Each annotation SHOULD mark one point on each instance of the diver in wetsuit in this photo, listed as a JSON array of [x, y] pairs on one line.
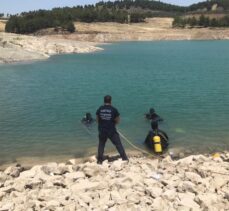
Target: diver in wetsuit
[[153, 116], [87, 120], [155, 131]]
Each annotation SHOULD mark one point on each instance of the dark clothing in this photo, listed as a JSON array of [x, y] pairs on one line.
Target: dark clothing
[[164, 139], [153, 117], [106, 125], [115, 139], [106, 116], [86, 121]]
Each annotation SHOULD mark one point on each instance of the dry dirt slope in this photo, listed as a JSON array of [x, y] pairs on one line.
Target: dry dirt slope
[[151, 29], [2, 25]]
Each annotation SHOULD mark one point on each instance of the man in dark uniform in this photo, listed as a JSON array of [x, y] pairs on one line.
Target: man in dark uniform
[[107, 117]]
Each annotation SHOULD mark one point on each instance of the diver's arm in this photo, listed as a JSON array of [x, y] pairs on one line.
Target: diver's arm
[[97, 118]]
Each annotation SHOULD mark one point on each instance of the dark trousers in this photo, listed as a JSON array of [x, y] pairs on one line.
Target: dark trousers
[[115, 139]]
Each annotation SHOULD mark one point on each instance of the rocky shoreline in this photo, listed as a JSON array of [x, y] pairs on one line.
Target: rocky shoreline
[[18, 48], [197, 182]]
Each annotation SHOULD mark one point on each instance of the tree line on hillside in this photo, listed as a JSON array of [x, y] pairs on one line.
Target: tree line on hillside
[[202, 21], [143, 4], [126, 11], [117, 11], [33, 21]]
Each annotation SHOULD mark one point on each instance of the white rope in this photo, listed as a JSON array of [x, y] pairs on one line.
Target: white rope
[[134, 146]]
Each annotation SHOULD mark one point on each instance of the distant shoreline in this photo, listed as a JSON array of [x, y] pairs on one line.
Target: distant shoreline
[[22, 48]]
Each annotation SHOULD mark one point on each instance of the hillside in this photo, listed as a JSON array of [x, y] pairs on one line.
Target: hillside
[[126, 11]]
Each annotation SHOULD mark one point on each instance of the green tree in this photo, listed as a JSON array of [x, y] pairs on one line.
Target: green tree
[[70, 27]]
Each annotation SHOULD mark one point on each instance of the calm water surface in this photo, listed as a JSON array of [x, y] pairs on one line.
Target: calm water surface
[[187, 82]]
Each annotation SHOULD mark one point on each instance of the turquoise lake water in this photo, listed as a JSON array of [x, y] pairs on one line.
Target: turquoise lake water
[[187, 82]]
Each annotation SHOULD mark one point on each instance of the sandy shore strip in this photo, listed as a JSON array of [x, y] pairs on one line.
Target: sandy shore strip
[[196, 182], [17, 48]]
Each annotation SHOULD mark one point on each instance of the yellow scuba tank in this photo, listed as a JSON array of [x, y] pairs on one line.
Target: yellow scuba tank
[[157, 144]]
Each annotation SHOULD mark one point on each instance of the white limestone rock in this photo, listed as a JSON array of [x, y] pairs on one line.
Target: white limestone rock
[[193, 177], [206, 200], [73, 176], [7, 207], [117, 197], [187, 186], [189, 202], [118, 165], [4, 177], [169, 195], [154, 191]]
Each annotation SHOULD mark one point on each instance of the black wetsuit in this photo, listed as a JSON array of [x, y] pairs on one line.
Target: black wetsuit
[[164, 139], [87, 121], [106, 125], [156, 132]]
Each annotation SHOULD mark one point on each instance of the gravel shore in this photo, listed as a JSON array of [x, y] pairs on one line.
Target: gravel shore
[[197, 182]]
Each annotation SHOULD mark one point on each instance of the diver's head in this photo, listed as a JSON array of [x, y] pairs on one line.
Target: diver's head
[[107, 99], [151, 111]]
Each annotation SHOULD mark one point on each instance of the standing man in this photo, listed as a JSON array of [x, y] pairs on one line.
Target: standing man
[[107, 117]]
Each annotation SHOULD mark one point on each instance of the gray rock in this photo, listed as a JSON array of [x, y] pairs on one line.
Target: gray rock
[[13, 171]]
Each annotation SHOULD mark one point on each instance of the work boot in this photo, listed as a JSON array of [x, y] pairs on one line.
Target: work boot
[[99, 162]]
